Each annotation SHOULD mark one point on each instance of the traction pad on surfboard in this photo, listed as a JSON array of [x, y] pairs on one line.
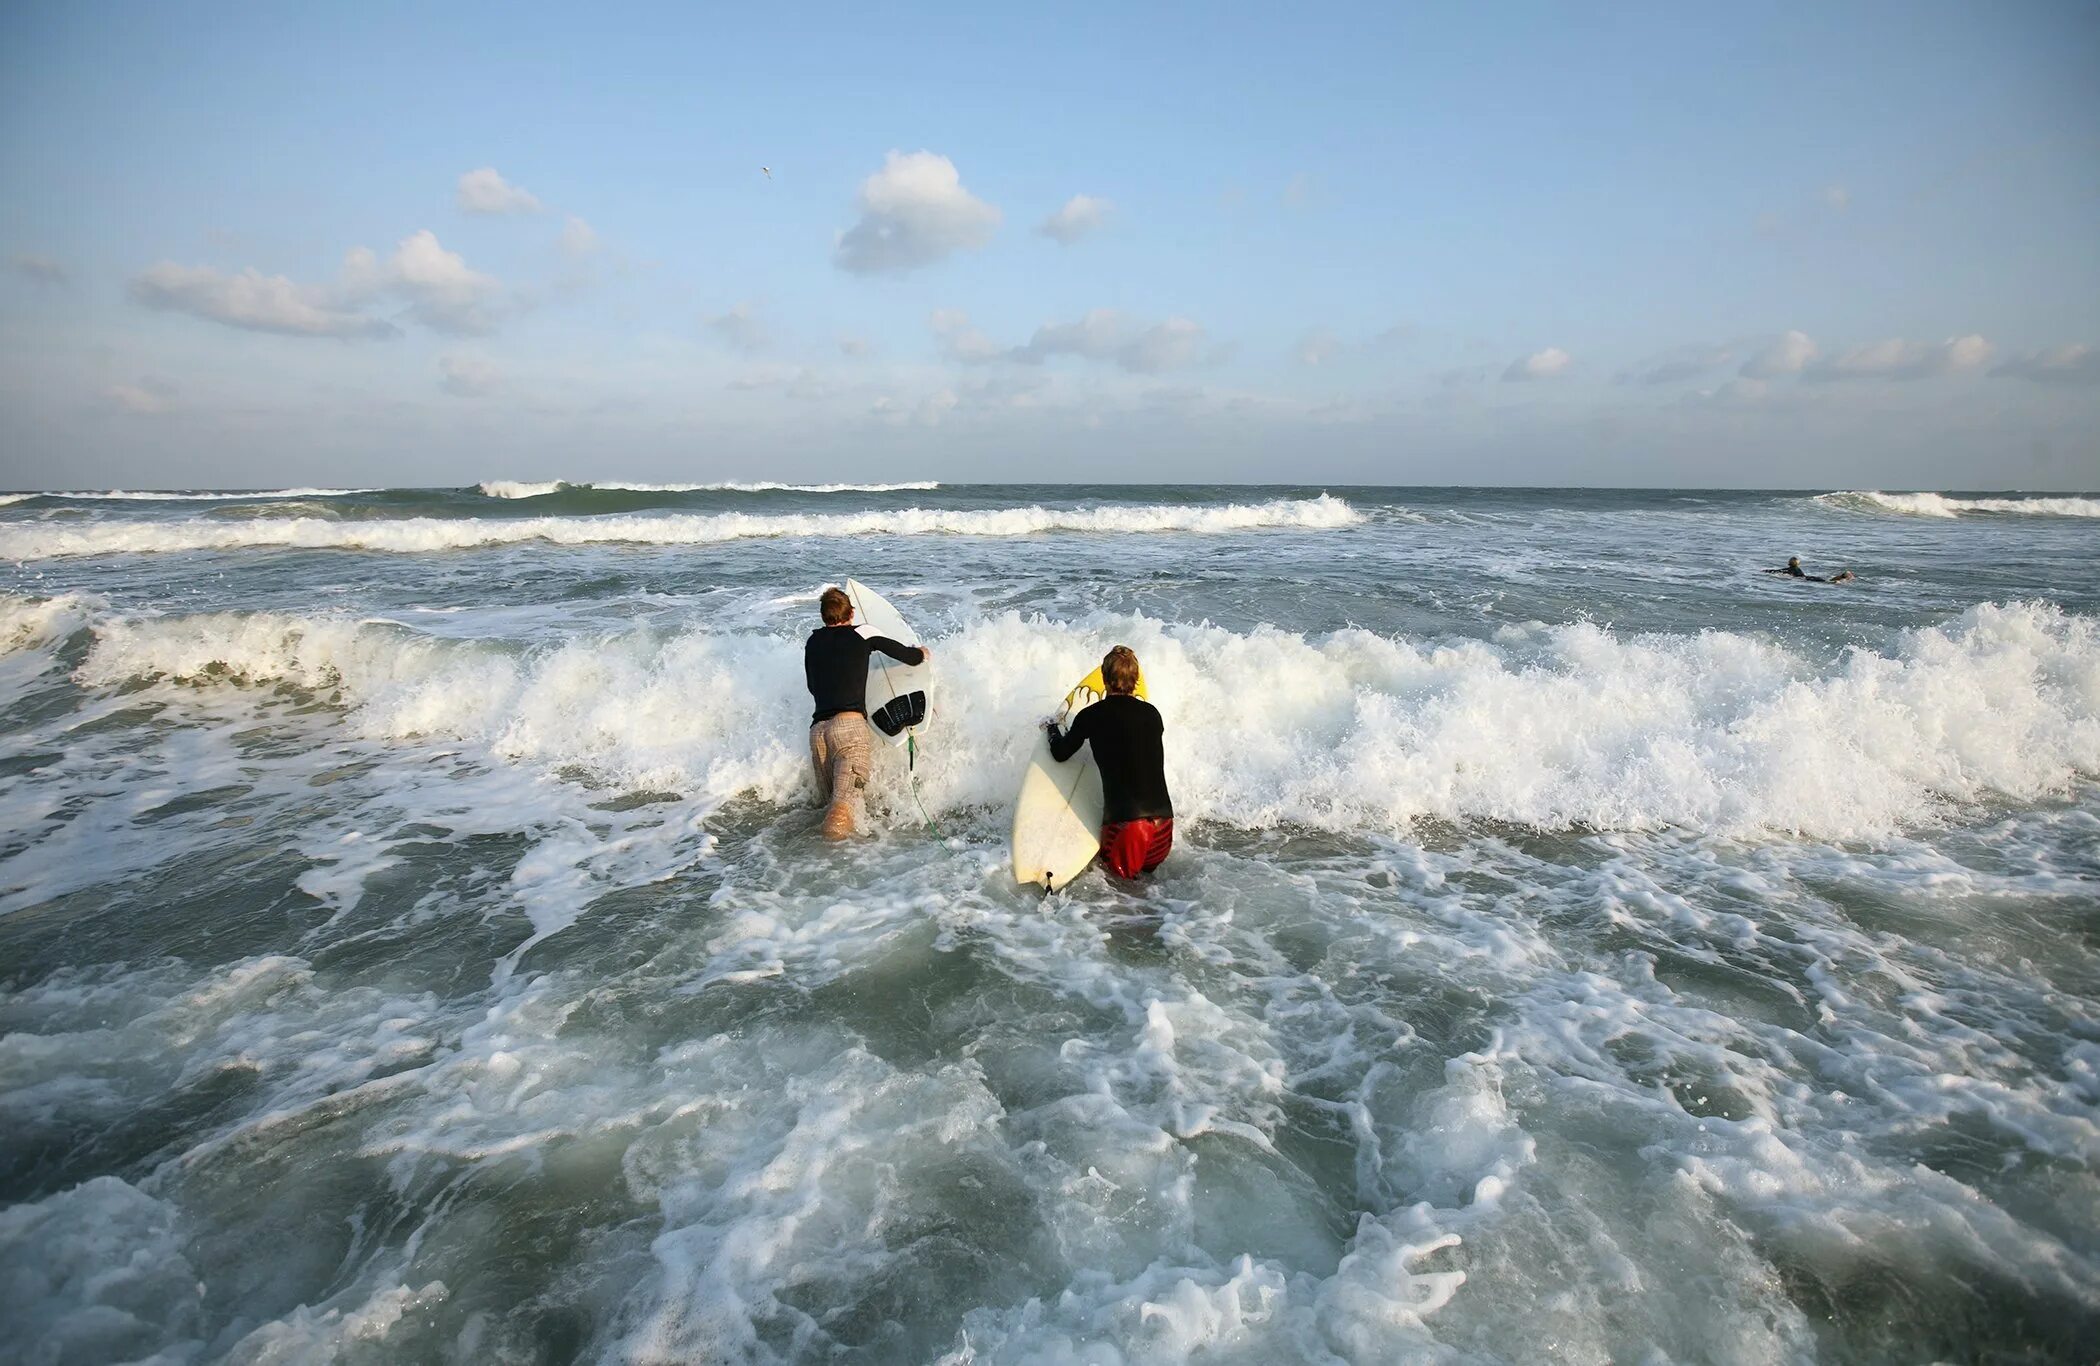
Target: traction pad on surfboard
[[900, 713]]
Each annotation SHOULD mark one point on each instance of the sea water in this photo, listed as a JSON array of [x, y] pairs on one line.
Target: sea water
[[416, 943]]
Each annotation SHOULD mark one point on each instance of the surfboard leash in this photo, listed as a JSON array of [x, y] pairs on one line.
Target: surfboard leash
[[911, 765]]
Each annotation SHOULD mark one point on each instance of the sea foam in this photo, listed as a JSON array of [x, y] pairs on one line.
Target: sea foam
[[516, 488], [1555, 727], [420, 534], [1942, 505]]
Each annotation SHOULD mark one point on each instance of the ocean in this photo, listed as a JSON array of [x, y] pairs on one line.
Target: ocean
[[416, 944]]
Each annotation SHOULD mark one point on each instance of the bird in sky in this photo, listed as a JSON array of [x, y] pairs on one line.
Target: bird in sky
[[768, 170]]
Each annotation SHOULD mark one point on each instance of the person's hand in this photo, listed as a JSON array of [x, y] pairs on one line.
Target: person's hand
[[926, 653]]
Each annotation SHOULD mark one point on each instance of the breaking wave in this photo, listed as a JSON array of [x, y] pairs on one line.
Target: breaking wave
[[510, 488], [418, 534], [1940, 505], [1352, 732], [191, 496]]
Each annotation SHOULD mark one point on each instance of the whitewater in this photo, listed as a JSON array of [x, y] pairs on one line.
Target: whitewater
[[416, 944]]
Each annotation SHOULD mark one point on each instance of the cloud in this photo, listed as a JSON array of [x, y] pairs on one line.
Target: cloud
[[913, 212], [252, 301], [850, 345], [1736, 393], [2075, 363], [468, 376], [1103, 334], [442, 291], [1897, 359], [146, 398], [578, 238], [1317, 347], [740, 329], [484, 191], [934, 407], [960, 342], [1081, 215], [1171, 345], [1790, 354], [1547, 364], [45, 270], [1837, 197], [1677, 366]]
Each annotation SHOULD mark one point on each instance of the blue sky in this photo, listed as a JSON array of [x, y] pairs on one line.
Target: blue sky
[[1536, 244]]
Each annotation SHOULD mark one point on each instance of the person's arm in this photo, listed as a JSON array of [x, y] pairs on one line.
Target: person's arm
[[1064, 744], [903, 654]]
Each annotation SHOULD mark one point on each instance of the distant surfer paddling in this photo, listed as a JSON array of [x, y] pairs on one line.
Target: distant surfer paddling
[[1794, 570], [1128, 739], [835, 664]]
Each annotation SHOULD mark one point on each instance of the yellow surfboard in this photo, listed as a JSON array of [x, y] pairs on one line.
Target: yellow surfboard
[[1057, 817]]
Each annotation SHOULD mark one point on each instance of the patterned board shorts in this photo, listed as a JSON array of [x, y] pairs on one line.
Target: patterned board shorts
[[838, 750]]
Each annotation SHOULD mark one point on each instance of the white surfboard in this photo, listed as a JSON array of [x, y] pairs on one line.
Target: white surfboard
[[899, 695], [1057, 818]]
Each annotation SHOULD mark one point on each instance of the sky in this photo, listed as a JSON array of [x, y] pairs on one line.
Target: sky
[[1781, 246]]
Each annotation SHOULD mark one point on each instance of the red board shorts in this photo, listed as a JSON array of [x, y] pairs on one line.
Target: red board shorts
[[1133, 847]]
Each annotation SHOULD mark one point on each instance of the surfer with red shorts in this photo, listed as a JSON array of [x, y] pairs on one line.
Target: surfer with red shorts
[[1137, 817]]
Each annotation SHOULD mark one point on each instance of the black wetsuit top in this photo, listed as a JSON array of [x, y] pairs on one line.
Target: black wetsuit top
[[1795, 571], [1127, 736], [835, 661]]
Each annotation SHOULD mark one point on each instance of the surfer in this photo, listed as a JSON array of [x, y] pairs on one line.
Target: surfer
[[1137, 816], [835, 665], [1794, 570]]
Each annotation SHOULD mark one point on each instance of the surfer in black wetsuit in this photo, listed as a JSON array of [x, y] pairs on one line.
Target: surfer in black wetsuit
[[1794, 570], [835, 665], [1137, 816]]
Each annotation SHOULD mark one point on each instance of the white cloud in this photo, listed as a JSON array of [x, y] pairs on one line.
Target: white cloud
[[146, 398], [442, 291], [934, 407], [484, 191], [1081, 214], [469, 376], [1104, 334], [253, 301], [578, 238], [913, 212], [1790, 354], [960, 342], [45, 270], [1546, 364], [1897, 359], [1171, 345], [740, 329], [1317, 347], [2075, 363]]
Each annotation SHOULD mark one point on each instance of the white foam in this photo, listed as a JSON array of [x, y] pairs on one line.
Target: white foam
[[194, 496], [1941, 505], [513, 488], [28, 623], [417, 534], [97, 1273], [1351, 732]]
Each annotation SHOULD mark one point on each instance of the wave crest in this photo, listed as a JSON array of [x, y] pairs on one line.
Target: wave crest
[[1940, 505], [1353, 732], [509, 488], [421, 534]]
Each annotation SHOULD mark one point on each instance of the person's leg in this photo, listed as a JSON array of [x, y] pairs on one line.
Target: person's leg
[[848, 741], [820, 760]]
